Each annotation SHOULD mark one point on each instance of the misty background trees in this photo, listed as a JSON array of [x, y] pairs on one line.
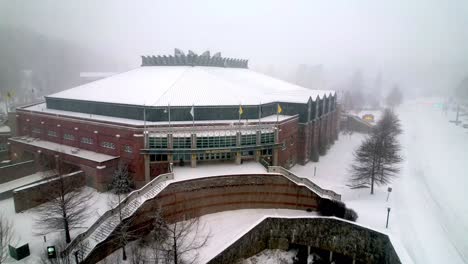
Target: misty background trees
[[33, 64]]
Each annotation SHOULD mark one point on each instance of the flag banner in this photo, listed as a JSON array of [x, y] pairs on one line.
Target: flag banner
[[279, 109], [241, 111], [192, 112]]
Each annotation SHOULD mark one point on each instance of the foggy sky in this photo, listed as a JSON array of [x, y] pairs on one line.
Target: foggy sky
[[406, 40]]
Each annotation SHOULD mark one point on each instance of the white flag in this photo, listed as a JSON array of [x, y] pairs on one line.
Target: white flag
[[192, 112]]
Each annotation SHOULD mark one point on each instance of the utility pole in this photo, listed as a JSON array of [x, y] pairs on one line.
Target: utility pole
[[388, 215]]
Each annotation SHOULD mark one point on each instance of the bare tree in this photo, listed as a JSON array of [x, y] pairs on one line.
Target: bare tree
[[178, 241], [6, 237], [375, 161], [65, 205]]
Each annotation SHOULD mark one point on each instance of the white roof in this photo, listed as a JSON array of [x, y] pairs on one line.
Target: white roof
[[187, 85], [4, 129], [69, 150]]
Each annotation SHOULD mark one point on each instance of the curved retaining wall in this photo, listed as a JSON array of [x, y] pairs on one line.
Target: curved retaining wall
[[354, 241], [197, 197]]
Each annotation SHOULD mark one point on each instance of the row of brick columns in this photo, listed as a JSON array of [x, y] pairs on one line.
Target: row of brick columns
[[193, 158]]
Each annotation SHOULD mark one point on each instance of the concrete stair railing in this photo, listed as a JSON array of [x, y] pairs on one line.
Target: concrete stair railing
[[106, 224], [324, 193]]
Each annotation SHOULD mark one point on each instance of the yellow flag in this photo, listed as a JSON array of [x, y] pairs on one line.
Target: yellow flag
[[241, 111], [279, 109]]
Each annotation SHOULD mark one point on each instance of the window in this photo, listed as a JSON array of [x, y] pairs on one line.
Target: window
[[158, 157], [158, 142], [36, 130], [51, 133], [108, 145], [128, 149], [3, 147], [178, 156], [182, 143], [214, 156], [216, 142], [68, 137], [267, 138], [86, 140], [247, 140], [267, 152]]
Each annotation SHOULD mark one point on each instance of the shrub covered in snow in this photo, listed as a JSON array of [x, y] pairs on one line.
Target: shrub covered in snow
[[336, 208], [329, 207], [351, 215]]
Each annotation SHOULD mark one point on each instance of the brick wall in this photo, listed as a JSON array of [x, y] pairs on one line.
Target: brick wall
[[120, 136], [288, 136]]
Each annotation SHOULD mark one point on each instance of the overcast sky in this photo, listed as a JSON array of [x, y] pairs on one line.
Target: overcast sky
[[402, 38]]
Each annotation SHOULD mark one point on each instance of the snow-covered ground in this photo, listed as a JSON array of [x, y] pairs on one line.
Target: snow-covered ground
[[273, 256], [215, 169], [25, 231], [429, 214]]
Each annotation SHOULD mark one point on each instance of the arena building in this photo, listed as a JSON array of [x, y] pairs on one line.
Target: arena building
[[177, 110]]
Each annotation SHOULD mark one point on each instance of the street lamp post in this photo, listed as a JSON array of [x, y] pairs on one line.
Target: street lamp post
[[388, 215], [389, 191]]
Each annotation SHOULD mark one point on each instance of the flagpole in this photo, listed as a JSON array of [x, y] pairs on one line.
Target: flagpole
[[277, 113], [169, 113], [193, 116], [144, 118]]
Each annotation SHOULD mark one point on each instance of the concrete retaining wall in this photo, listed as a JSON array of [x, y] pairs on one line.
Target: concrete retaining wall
[[354, 241], [32, 195], [197, 197], [16, 171]]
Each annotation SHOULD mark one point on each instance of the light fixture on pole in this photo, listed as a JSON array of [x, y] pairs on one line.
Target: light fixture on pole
[[388, 215], [389, 190]]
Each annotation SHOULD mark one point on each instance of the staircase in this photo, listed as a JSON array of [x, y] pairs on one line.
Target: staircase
[[106, 224]]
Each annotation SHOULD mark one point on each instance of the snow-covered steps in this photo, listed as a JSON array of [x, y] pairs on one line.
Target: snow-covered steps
[[107, 223], [324, 193]]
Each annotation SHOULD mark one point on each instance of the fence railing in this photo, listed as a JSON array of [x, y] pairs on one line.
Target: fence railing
[[132, 196], [306, 182]]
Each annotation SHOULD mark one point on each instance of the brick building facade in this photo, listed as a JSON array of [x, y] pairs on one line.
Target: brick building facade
[[96, 125]]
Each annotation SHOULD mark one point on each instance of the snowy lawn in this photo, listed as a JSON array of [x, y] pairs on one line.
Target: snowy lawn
[[273, 256], [215, 169], [24, 226], [222, 229]]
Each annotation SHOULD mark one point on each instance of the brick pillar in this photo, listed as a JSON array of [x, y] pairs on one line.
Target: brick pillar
[[146, 159], [193, 157], [238, 153], [275, 150], [170, 145], [258, 142]]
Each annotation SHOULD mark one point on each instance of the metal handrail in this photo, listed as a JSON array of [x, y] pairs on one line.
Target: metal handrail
[[132, 196], [308, 183]]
